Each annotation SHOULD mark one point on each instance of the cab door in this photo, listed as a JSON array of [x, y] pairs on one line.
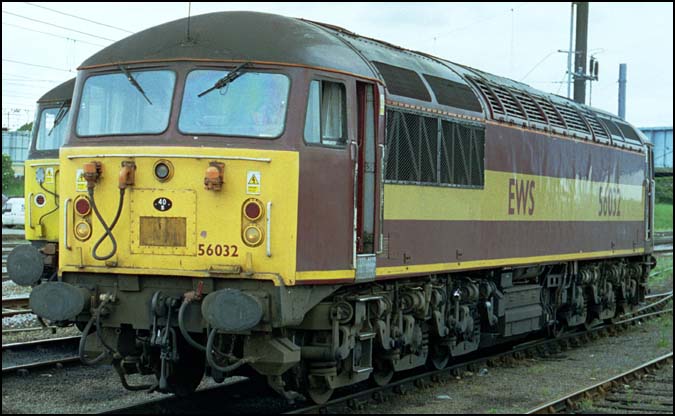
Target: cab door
[[326, 215]]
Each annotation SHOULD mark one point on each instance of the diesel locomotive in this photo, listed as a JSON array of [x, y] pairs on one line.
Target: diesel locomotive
[[246, 193], [27, 263]]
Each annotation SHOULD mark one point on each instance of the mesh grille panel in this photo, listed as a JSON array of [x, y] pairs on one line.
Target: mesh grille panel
[[418, 153], [411, 147], [462, 154]]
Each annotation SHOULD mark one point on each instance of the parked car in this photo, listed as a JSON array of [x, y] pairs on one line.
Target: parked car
[[13, 212]]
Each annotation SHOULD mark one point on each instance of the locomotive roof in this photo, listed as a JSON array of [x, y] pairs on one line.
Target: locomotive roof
[[236, 36], [62, 92], [412, 77]]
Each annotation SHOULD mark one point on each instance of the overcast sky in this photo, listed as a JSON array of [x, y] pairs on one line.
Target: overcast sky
[[515, 40]]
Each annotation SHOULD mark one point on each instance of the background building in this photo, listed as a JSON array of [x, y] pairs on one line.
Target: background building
[[662, 138], [15, 144]]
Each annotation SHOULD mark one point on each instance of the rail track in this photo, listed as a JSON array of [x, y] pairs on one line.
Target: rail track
[[15, 305], [356, 397], [7, 246], [62, 351], [647, 388]]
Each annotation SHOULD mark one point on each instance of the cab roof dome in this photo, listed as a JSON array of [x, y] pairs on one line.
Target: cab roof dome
[[62, 92], [236, 36]]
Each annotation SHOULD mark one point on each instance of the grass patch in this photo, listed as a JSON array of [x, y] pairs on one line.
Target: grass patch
[[666, 330], [663, 270], [663, 217]]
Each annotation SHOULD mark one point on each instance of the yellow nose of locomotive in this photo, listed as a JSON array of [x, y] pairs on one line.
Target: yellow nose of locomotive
[[177, 217]]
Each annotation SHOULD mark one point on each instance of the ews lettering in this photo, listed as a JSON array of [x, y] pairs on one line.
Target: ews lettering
[[521, 197]]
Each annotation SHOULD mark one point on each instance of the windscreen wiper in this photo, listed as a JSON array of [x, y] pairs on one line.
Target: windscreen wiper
[[60, 115], [234, 74], [135, 83]]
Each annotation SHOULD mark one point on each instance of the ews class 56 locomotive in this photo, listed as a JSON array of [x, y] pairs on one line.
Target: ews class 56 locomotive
[[272, 196]]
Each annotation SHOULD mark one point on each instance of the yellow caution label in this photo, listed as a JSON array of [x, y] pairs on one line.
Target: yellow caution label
[[80, 182], [253, 182], [49, 175]]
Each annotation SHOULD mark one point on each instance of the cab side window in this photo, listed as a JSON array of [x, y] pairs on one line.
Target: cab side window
[[326, 119]]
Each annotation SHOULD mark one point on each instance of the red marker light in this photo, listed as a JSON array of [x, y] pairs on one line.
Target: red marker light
[[40, 200], [82, 206], [252, 210]]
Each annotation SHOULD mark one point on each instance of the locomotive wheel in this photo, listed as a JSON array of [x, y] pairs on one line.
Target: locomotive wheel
[[382, 372], [557, 330], [188, 372], [439, 357], [319, 394]]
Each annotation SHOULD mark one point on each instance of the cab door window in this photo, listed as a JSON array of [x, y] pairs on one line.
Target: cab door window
[[326, 119]]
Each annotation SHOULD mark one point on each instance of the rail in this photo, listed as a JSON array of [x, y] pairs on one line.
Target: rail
[[571, 401]]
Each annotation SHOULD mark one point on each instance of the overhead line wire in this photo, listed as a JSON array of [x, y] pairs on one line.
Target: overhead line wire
[[78, 17], [53, 34], [60, 27], [39, 66]]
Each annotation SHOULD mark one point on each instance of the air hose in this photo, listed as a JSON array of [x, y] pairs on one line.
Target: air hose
[[96, 318], [212, 361], [108, 230], [183, 329]]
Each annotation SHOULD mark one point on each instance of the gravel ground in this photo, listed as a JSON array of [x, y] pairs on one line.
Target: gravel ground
[[536, 381], [78, 389], [26, 355], [501, 390], [10, 288]]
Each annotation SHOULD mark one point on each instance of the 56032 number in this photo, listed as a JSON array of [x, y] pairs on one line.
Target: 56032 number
[[218, 250]]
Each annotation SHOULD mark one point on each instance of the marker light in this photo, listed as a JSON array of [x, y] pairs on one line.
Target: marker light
[[252, 235], [40, 200], [82, 205], [82, 230], [253, 209]]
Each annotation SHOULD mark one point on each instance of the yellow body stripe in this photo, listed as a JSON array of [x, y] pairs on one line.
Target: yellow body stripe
[[516, 197]]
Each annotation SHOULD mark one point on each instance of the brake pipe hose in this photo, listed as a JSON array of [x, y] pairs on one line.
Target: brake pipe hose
[[108, 230], [183, 329], [212, 361]]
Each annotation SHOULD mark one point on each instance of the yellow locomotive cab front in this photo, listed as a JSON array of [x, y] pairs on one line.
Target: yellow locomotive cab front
[[181, 226]]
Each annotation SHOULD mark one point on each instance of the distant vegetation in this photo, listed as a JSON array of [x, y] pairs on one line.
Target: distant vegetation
[[26, 127], [664, 190], [663, 217], [11, 186]]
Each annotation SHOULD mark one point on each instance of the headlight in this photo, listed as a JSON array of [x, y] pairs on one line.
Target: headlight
[[82, 230], [252, 235]]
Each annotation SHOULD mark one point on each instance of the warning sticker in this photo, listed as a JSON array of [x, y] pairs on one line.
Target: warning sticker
[[253, 183], [381, 104], [80, 182], [49, 175]]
